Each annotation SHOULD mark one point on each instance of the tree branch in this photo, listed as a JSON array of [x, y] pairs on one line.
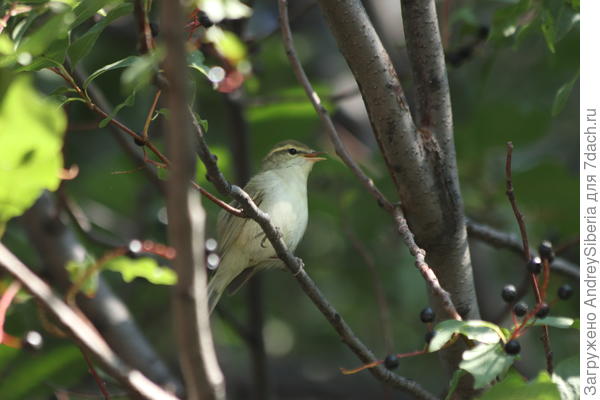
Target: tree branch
[[132, 379], [296, 267], [57, 245], [201, 371], [497, 238]]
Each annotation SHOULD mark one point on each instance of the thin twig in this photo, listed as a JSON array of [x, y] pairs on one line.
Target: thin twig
[[150, 114], [526, 253], [134, 380], [146, 42], [101, 384], [322, 111], [511, 242], [5, 302], [426, 271]]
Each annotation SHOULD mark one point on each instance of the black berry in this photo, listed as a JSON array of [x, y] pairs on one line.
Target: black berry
[[427, 315], [512, 347], [33, 341], [204, 20], [565, 291], [546, 251], [509, 293], [391, 361], [428, 336], [535, 265], [543, 311], [520, 309]]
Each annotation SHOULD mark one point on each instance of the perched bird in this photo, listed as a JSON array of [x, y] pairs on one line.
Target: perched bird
[[279, 189]]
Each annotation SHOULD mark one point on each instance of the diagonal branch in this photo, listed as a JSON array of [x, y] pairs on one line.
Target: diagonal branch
[[132, 379], [296, 267]]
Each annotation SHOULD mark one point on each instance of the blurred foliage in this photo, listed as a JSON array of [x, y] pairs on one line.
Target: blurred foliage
[[518, 83]]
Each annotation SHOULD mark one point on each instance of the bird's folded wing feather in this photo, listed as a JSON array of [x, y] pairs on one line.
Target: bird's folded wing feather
[[229, 226]]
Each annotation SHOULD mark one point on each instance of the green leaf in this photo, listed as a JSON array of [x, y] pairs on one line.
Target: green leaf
[[145, 267], [562, 95], [507, 20], [30, 376], [486, 362], [548, 30], [55, 28], [54, 56], [125, 62], [30, 147], [87, 9], [481, 331], [84, 44], [141, 71], [456, 376], [566, 378], [195, 60], [129, 101], [161, 111], [77, 270], [555, 322], [514, 387]]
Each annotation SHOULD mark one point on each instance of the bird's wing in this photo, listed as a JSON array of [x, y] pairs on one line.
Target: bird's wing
[[229, 226]]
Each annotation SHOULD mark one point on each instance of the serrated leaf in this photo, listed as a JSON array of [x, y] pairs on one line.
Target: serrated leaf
[[514, 387], [123, 63], [83, 45], [144, 267], [30, 147], [562, 95], [566, 378], [486, 362], [129, 101], [555, 322]]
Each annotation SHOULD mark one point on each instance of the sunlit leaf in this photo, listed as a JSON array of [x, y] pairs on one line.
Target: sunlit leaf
[[486, 362], [481, 331], [218, 10], [555, 322], [566, 378], [30, 147], [144, 267], [514, 387]]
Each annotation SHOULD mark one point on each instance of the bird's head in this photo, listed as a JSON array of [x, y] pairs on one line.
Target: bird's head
[[289, 154]]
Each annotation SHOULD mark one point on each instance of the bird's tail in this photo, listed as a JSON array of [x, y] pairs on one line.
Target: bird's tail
[[218, 283]]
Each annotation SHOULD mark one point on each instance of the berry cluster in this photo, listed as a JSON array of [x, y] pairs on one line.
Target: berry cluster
[[520, 309]]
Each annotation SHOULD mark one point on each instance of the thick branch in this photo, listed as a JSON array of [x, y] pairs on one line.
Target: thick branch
[[201, 371], [132, 379]]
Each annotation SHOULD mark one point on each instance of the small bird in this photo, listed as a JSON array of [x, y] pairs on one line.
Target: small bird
[[279, 189]]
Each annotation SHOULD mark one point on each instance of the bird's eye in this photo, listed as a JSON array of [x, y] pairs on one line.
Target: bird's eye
[[292, 151]]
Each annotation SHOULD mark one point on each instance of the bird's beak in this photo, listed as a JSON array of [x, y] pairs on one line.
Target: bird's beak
[[314, 156]]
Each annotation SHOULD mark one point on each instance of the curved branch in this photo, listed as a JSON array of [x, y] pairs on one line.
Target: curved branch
[[132, 379]]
